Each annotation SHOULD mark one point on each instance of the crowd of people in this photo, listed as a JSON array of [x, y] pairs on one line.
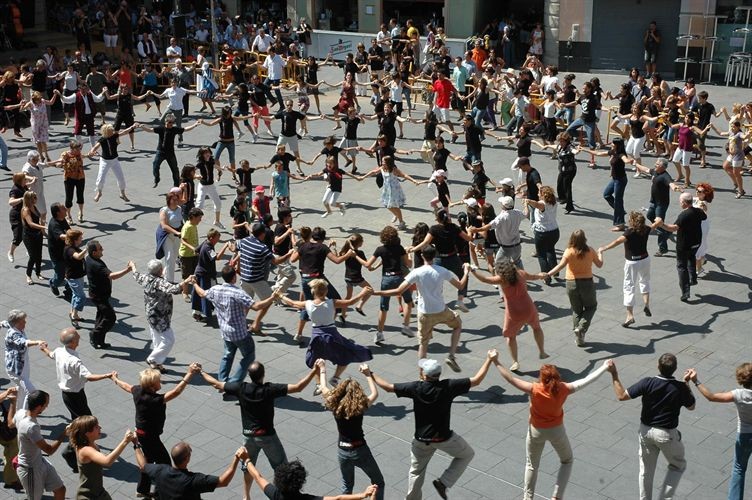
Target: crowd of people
[[254, 269]]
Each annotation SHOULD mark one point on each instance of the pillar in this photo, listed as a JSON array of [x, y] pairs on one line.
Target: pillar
[[460, 17], [370, 15], [551, 9]]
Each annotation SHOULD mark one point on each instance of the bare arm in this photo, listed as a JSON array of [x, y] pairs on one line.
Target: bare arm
[[302, 383], [520, 384]]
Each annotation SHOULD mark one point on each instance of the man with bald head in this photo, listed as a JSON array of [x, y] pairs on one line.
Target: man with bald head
[[688, 231], [72, 375], [176, 482]]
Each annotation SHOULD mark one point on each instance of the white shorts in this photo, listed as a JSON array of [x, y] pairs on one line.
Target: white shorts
[[349, 143], [442, 114], [734, 163], [330, 197], [43, 478], [292, 142], [110, 40], [683, 157]]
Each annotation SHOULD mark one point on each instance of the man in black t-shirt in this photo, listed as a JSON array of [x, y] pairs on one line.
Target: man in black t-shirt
[[588, 104], [705, 113], [663, 397], [177, 482], [660, 198], [166, 147], [688, 227], [533, 181], [432, 403], [376, 59], [257, 412], [100, 280], [289, 133]]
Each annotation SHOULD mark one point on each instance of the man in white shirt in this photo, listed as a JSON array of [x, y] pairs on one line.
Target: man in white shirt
[[173, 51], [432, 309], [202, 34], [84, 110], [72, 375], [262, 42], [147, 49], [506, 226], [275, 67]]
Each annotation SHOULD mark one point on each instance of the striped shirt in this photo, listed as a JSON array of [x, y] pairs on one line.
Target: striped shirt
[[255, 259], [230, 303]]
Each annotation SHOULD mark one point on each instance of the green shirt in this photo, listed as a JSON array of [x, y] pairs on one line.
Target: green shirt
[[189, 233]]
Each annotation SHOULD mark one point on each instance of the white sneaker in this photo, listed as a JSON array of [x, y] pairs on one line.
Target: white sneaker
[[240, 135], [462, 307], [637, 174], [394, 219], [219, 225], [407, 331], [10, 257], [255, 138], [378, 337], [298, 338], [325, 215], [342, 209], [271, 134]]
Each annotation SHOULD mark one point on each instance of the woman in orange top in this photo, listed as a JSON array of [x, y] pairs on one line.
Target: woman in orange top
[[74, 178], [547, 397], [579, 259]]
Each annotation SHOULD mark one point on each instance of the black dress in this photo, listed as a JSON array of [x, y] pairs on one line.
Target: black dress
[[32, 240]]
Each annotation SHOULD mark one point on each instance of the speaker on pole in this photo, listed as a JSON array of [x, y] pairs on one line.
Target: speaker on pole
[[179, 27]]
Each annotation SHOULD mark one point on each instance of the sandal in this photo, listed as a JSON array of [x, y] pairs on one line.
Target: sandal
[[360, 311], [740, 194]]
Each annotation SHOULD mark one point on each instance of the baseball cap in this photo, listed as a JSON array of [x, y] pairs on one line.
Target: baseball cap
[[471, 202], [260, 189], [506, 181], [438, 173], [430, 367], [507, 202]]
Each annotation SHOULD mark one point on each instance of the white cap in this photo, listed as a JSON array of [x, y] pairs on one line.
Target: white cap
[[507, 202], [439, 172], [507, 181], [471, 202], [430, 367]]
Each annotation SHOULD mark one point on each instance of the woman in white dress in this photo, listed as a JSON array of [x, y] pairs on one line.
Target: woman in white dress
[[392, 196]]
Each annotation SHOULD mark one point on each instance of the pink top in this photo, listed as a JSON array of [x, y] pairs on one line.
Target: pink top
[[686, 138]]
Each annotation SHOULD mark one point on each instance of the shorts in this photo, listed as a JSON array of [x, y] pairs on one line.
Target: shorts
[[442, 114], [426, 322], [188, 266], [397, 107], [491, 251], [683, 157], [349, 143], [260, 288], [734, 163], [390, 282], [110, 40], [355, 281], [292, 142], [40, 479], [650, 57], [330, 197]]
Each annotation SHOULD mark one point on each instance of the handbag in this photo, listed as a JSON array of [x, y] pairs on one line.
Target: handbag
[[380, 180]]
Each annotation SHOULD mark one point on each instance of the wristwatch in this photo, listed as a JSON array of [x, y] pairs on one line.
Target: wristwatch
[[697, 382]]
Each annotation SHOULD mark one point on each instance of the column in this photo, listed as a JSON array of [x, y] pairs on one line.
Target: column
[[370, 15], [551, 29]]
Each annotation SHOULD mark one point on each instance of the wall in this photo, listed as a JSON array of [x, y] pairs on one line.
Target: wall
[[574, 55], [551, 23], [370, 23], [460, 17]]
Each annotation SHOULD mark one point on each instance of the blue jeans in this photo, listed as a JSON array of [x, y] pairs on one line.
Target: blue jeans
[[277, 92], [78, 299], [3, 153], [567, 113], [742, 452], [589, 130], [514, 124], [229, 146], [390, 283], [362, 458], [614, 195], [58, 273], [247, 350], [272, 447], [659, 211]]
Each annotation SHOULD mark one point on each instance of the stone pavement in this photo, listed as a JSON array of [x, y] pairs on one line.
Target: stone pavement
[[709, 333]]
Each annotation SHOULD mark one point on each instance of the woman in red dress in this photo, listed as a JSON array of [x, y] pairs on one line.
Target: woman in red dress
[[520, 309]]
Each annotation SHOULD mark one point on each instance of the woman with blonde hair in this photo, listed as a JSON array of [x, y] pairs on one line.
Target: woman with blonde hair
[[109, 159], [40, 123], [637, 264], [547, 397], [579, 258], [326, 341], [348, 403], [151, 414], [83, 433], [32, 235]]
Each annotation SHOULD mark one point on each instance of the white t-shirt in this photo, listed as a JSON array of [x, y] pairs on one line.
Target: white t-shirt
[[275, 66], [430, 281], [743, 400], [321, 314], [71, 372], [29, 433], [549, 83], [549, 109], [262, 43], [174, 51], [175, 96]]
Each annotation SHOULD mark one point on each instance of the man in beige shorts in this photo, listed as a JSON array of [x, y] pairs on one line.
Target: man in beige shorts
[[432, 309]]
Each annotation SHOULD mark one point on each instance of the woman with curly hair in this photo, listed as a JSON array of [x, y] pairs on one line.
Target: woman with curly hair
[[637, 265], [348, 402], [395, 264], [742, 397], [83, 433], [547, 397], [520, 309], [705, 195], [579, 258], [74, 178]]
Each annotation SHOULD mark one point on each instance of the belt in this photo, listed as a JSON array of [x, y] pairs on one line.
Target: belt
[[510, 246], [392, 273], [312, 275], [351, 444], [634, 258], [257, 432]]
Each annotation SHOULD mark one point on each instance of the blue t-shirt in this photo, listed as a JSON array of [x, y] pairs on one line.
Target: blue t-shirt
[[281, 184], [662, 400]]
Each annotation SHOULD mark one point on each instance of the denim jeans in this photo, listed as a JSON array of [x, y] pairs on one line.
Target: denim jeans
[[567, 113], [545, 247], [78, 299], [272, 447], [221, 146], [742, 452], [274, 83], [659, 211], [362, 458], [390, 283], [247, 350], [454, 264], [614, 195], [3, 153], [58, 273], [515, 123], [589, 130]]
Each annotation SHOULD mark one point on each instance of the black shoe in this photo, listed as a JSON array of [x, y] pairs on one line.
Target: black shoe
[[647, 311], [693, 282], [100, 346], [156, 183], [4, 167], [55, 291], [17, 486], [440, 488], [684, 297]]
